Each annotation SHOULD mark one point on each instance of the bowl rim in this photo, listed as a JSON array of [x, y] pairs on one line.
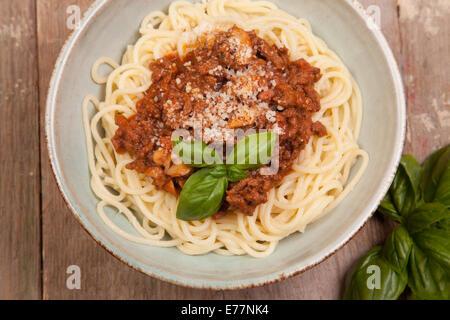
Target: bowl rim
[[294, 270]]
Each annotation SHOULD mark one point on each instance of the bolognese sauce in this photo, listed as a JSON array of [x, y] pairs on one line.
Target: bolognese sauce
[[228, 80]]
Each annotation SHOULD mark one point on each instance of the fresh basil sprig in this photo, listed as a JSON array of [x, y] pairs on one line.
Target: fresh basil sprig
[[417, 253], [203, 193]]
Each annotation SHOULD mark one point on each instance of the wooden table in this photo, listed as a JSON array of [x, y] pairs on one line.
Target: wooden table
[[39, 238]]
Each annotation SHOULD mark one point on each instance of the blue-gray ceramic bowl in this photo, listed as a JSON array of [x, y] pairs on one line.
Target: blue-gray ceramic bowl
[[110, 25]]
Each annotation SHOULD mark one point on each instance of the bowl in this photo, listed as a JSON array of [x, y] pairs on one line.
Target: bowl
[[109, 26]]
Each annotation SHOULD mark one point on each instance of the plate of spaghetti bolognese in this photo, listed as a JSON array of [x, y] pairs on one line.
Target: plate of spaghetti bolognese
[[221, 143]]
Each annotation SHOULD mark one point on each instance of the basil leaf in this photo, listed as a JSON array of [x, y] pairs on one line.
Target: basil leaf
[[402, 193], [235, 174], [253, 151], [201, 196], [443, 189], [444, 224], [426, 277], [425, 216], [387, 207], [196, 153], [405, 188], [219, 171], [435, 243], [397, 248], [373, 278], [433, 168], [414, 172]]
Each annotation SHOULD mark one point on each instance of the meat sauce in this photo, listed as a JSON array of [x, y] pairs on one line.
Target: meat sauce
[[227, 80]]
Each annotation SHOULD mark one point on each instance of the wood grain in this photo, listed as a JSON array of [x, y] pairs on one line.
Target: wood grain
[[418, 34], [20, 259], [425, 47]]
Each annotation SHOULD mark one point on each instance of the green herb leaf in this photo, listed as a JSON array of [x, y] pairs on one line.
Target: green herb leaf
[[419, 251], [397, 248], [373, 278], [426, 277], [404, 190], [435, 243], [235, 174], [402, 193], [196, 153], [219, 171], [433, 169], [414, 172], [253, 151], [443, 188], [444, 224], [201, 196], [387, 207], [425, 216]]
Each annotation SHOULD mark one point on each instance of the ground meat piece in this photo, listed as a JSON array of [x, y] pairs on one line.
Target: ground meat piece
[[271, 52], [247, 194], [319, 129]]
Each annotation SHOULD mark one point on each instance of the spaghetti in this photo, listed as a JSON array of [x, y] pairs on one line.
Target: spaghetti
[[320, 178]]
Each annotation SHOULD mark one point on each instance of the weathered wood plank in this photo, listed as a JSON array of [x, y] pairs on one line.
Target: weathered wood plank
[[425, 34], [20, 263]]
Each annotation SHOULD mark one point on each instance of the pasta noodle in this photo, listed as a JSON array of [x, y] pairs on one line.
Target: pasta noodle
[[322, 175]]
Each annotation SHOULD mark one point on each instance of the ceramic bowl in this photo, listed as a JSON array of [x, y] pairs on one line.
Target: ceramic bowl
[[109, 26]]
